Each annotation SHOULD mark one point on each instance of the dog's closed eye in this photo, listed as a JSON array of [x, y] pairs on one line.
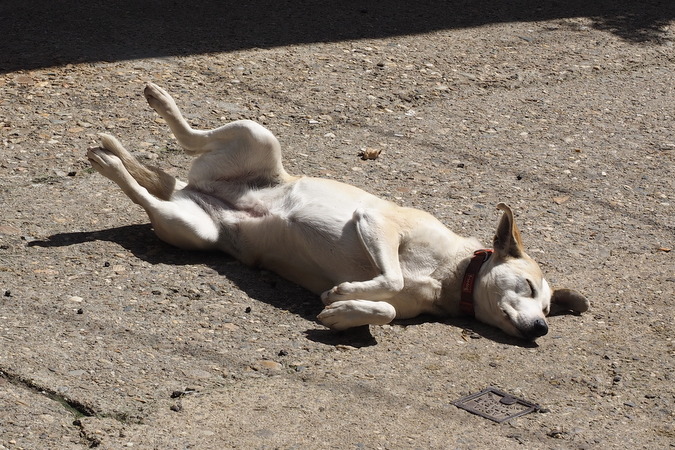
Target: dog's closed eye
[[533, 291], [525, 287]]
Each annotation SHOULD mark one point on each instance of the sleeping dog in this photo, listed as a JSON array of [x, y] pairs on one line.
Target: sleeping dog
[[370, 260]]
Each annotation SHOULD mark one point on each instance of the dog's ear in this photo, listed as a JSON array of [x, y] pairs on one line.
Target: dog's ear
[[564, 300], [507, 241]]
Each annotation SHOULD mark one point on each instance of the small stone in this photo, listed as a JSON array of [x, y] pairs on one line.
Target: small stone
[[176, 407], [556, 434], [229, 326], [178, 394], [75, 299], [345, 347], [271, 365]]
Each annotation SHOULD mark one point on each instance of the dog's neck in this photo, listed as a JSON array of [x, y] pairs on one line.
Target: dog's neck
[[469, 280], [453, 278]]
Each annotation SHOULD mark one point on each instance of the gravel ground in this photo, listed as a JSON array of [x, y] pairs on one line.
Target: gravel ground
[[110, 338]]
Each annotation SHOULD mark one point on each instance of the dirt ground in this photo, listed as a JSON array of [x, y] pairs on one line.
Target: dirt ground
[[111, 339]]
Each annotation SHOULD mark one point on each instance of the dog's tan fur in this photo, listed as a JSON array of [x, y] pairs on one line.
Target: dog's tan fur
[[370, 260]]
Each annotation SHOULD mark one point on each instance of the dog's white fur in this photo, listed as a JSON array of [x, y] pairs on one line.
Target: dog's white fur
[[370, 260]]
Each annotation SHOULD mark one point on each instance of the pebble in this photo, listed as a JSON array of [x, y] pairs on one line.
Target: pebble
[[271, 365], [176, 407]]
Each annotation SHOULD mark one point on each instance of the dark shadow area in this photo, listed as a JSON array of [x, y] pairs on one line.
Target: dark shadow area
[[45, 33], [259, 285], [357, 337], [142, 242], [472, 329], [262, 285]]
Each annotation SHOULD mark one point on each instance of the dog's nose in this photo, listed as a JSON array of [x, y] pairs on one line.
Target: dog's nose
[[539, 328]]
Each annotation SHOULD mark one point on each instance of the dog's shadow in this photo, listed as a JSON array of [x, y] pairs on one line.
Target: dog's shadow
[[257, 284]]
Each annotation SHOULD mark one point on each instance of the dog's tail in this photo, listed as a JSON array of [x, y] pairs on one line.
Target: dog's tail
[[155, 180]]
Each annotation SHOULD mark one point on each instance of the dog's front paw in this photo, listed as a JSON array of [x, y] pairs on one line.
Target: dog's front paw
[[340, 315], [353, 313], [336, 293]]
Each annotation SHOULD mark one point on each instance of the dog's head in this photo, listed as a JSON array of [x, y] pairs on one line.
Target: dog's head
[[511, 292]]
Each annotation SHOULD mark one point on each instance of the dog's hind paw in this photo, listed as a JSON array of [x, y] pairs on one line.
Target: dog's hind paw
[[330, 296], [160, 100], [343, 291], [104, 162]]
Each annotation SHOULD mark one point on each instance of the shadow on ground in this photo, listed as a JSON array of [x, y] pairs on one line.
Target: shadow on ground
[[259, 285], [45, 33], [142, 242]]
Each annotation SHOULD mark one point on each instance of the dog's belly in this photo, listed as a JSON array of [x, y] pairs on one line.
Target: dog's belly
[[308, 234], [314, 260]]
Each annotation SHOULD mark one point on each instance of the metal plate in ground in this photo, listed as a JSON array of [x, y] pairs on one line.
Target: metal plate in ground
[[495, 405]]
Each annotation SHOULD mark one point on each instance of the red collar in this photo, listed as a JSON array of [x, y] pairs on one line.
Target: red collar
[[466, 300]]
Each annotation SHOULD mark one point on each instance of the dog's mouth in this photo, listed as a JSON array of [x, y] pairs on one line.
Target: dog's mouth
[[510, 326], [534, 329]]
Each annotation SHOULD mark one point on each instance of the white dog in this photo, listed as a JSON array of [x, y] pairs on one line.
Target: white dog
[[370, 260]]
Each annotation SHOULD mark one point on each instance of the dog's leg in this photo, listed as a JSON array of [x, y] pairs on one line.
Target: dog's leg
[[354, 313], [245, 148], [156, 181], [160, 100], [178, 222], [381, 241]]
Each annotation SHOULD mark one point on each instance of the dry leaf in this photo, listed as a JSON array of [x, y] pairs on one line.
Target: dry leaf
[[370, 153]]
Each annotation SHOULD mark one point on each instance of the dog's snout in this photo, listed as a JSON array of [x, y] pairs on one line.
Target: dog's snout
[[538, 328]]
